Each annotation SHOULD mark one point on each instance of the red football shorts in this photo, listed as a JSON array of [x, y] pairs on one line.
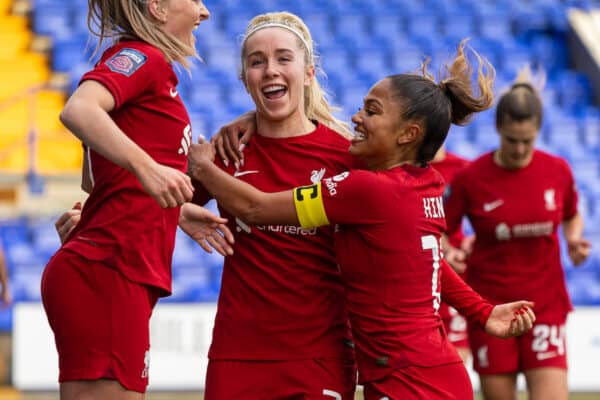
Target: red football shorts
[[327, 379], [444, 382], [455, 326], [543, 346], [100, 321]]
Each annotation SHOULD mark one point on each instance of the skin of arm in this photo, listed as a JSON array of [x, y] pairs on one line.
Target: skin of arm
[[239, 198], [86, 115], [5, 295], [579, 248]]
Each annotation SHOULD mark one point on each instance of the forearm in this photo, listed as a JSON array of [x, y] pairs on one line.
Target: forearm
[[244, 200], [573, 228], [462, 297]]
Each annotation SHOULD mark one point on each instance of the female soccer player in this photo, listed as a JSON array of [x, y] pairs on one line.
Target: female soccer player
[[448, 164], [388, 224], [100, 288], [515, 198]]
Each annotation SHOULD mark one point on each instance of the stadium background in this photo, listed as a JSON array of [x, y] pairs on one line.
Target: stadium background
[[46, 48]]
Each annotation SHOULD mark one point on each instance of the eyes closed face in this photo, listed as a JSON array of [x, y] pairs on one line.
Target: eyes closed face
[[377, 127], [181, 17], [276, 75], [517, 140]]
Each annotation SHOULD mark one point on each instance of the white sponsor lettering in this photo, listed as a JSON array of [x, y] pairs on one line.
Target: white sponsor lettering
[[288, 229], [331, 186], [341, 177]]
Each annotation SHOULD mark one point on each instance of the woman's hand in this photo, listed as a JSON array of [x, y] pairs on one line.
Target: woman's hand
[[457, 258], [233, 137], [510, 319], [65, 224], [202, 152], [168, 186], [207, 229], [579, 250]]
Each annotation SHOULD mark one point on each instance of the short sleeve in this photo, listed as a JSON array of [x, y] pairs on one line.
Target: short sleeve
[[127, 73]]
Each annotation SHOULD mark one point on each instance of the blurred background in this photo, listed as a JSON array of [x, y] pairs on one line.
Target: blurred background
[[46, 48]]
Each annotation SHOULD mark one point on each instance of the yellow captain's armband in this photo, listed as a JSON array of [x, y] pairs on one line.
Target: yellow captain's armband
[[309, 206]]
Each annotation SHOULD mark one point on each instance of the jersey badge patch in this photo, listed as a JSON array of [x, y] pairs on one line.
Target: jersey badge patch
[[126, 61]]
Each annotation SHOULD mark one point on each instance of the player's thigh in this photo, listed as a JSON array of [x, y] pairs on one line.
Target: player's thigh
[[499, 386], [445, 382], [97, 390], [547, 383], [297, 379]]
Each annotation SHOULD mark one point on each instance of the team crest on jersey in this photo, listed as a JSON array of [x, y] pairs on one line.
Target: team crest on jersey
[[126, 61], [549, 199], [316, 176]]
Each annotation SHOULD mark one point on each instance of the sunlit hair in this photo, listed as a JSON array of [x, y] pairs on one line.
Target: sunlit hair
[[522, 101], [131, 19], [438, 105], [316, 106]]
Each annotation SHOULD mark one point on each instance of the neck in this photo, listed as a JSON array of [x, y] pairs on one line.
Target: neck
[[287, 127]]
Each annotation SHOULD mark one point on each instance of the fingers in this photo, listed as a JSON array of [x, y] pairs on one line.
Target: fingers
[[177, 193], [522, 322], [231, 144], [220, 245], [217, 141]]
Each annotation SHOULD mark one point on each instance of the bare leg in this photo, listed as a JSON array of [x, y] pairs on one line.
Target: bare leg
[[547, 384], [100, 389], [499, 387]]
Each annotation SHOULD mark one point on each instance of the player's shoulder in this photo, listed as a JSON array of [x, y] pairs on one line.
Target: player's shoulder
[[551, 162], [129, 56], [331, 135], [477, 167], [455, 159]]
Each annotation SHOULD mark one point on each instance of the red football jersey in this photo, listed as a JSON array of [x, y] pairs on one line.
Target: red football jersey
[[448, 167], [281, 296], [515, 215], [121, 225], [388, 232]]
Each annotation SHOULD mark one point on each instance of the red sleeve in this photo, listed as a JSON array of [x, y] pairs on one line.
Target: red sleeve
[[127, 73], [571, 197], [349, 192], [459, 295]]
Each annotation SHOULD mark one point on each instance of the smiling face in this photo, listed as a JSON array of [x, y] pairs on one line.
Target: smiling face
[[276, 75], [181, 17], [517, 140], [382, 137]]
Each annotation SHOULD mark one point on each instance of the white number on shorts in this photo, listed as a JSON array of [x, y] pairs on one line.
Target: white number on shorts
[[546, 335], [429, 242]]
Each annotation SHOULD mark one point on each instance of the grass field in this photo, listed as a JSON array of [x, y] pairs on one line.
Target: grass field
[[13, 395]]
